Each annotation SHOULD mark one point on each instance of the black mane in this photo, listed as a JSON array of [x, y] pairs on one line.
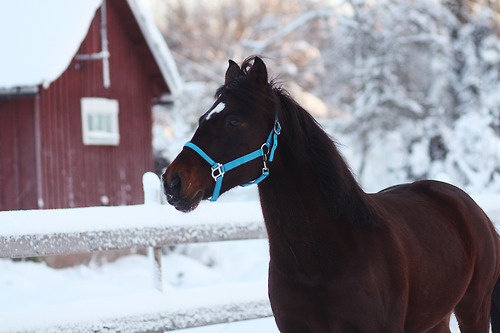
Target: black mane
[[340, 191]]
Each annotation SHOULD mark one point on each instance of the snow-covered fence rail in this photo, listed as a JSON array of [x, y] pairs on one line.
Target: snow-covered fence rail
[[83, 230], [152, 225]]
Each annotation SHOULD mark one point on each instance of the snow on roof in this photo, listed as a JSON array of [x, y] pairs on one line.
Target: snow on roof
[[158, 46], [40, 38]]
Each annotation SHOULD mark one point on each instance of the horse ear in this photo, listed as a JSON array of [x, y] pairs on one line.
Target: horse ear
[[258, 72], [233, 71]]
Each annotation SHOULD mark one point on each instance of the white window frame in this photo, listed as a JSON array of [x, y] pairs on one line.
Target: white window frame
[[100, 121]]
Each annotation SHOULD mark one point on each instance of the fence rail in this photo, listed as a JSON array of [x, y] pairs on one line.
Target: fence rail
[[35, 245], [83, 230]]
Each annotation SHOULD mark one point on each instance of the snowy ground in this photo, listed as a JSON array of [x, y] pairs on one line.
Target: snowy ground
[[192, 275], [33, 293], [265, 325]]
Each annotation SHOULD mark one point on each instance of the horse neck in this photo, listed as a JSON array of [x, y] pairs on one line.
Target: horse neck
[[312, 206]]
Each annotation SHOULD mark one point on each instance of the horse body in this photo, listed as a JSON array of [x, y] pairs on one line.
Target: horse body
[[319, 258], [401, 260], [383, 270]]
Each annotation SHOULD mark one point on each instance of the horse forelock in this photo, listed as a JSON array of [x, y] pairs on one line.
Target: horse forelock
[[242, 90]]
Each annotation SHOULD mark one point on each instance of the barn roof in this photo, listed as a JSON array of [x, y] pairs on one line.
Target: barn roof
[[157, 45], [40, 38]]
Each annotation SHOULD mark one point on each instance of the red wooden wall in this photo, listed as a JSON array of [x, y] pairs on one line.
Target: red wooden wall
[[72, 174], [17, 154]]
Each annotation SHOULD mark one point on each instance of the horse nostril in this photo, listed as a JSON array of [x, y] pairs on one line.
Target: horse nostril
[[176, 185]]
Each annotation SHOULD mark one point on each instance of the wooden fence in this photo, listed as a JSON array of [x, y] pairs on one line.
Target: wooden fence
[[152, 225]]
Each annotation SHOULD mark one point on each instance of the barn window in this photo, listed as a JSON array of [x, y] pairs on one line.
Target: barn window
[[100, 121]]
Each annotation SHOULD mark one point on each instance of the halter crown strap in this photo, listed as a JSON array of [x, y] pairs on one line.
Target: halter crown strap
[[218, 169]]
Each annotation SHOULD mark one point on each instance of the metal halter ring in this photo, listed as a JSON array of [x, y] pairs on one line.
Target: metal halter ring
[[277, 127], [265, 153]]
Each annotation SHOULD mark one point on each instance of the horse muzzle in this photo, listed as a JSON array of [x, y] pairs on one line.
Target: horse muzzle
[[173, 189], [184, 185]]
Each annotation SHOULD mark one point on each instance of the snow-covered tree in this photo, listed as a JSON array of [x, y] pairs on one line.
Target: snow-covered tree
[[416, 82]]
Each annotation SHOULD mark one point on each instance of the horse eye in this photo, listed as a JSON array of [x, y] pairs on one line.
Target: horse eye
[[233, 122]]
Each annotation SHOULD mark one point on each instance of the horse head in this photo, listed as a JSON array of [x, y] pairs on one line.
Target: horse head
[[234, 142]]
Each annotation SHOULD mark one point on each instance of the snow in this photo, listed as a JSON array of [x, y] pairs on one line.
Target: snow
[[39, 38], [266, 325], [202, 283], [158, 46], [87, 294], [78, 220]]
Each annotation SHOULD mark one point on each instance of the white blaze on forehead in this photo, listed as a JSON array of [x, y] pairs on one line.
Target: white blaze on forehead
[[217, 109]]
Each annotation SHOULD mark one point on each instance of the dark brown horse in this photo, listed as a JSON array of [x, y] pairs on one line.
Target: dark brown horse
[[401, 260]]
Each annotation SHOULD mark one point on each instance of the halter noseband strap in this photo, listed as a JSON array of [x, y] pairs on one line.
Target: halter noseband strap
[[218, 169]]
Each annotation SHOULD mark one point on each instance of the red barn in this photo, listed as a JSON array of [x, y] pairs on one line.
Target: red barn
[[77, 83]]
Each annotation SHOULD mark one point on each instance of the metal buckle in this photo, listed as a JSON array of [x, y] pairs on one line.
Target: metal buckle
[[277, 127], [217, 171], [265, 169]]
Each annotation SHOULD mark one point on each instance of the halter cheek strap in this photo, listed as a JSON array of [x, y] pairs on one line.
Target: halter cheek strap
[[266, 151]]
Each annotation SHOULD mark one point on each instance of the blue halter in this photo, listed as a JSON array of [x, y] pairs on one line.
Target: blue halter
[[218, 169]]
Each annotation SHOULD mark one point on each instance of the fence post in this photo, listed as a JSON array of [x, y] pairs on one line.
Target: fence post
[[154, 254], [152, 190]]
